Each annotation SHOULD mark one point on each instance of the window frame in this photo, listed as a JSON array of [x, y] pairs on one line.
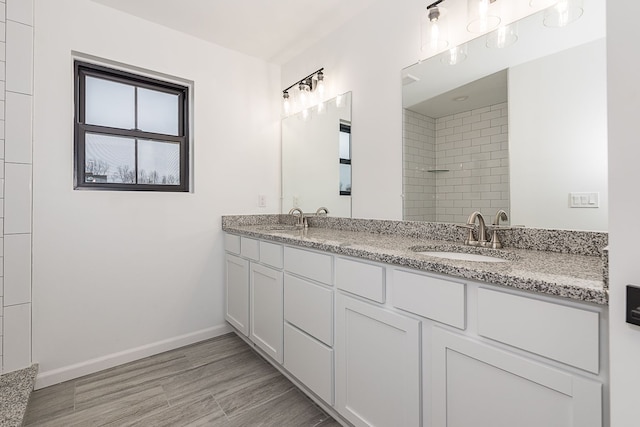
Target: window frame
[[346, 128], [86, 69]]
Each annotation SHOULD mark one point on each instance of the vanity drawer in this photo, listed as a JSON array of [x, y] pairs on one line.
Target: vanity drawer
[[566, 334], [232, 243], [430, 297], [312, 265], [365, 280], [250, 248], [309, 361], [271, 254], [309, 307]]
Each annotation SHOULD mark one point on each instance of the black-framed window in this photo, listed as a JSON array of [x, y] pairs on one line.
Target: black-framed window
[[131, 131], [345, 159]]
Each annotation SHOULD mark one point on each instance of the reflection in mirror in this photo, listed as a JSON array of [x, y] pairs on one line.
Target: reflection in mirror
[[521, 128], [316, 158]]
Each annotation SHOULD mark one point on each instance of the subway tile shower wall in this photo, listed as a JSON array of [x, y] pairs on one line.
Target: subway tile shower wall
[[419, 157], [467, 154], [16, 93]]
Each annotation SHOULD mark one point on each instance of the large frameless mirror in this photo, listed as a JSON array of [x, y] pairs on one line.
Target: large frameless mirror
[[521, 128], [316, 158]]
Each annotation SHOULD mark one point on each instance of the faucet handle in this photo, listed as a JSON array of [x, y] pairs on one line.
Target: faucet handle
[[322, 211], [500, 215], [470, 240]]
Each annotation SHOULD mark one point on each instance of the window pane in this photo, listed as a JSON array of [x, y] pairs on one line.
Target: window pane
[[157, 111], [345, 177], [158, 163], [345, 145], [109, 159], [109, 103]]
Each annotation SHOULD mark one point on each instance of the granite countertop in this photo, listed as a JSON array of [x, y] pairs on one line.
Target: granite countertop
[[15, 389], [568, 275]]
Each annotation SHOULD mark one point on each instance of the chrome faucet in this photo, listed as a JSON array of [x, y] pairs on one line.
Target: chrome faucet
[[495, 241], [302, 220], [322, 211], [482, 230]]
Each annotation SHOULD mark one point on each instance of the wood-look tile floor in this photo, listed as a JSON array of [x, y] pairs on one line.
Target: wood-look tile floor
[[219, 382]]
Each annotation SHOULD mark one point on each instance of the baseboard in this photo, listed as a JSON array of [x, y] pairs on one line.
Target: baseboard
[[77, 370]]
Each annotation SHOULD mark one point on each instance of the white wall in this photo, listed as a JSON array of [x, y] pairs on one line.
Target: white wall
[[623, 68], [118, 275], [567, 93]]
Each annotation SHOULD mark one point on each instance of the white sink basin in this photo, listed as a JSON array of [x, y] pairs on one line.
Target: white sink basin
[[462, 256]]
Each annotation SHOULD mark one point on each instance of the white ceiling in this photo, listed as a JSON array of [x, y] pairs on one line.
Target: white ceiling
[[488, 90], [274, 30]]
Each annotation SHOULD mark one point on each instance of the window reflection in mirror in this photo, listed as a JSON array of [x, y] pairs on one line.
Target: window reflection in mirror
[[316, 159], [345, 158]]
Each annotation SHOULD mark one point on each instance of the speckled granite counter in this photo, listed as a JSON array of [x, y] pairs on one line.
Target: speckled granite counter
[[15, 389], [566, 273]]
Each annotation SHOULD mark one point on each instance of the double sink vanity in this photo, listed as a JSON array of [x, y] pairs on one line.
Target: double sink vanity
[[398, 323], [424, 322]]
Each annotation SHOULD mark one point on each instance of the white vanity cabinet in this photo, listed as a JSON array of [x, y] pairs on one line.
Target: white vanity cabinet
[[237, 292], [266, 310], [383, 345], [308, 313], [254, 291], [476, 384], [377, 365], [377, 351]]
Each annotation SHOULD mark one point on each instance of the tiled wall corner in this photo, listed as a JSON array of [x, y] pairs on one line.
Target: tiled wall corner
[[16, 112], [470, 152], [3, 20], [474, 147], [419, 157], [17, 337]]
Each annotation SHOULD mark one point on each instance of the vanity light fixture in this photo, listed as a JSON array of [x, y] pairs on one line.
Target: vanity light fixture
[[434, 28], [482, 16], [304, 93]]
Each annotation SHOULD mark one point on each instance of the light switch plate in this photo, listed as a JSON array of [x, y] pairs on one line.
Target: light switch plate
[[584, 200]]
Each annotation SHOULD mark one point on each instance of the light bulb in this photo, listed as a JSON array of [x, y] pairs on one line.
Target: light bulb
[[322, 108], [286, 103], [304, 95], [503, 37], [481, 18], [320, 86], [455, 55], [563, 13], [434, 29]]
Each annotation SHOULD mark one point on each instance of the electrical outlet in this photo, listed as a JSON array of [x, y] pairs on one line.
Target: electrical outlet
[[262, 201]]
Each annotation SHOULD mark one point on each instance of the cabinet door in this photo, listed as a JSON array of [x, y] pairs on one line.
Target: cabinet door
[[377, 365], [237, 293], [475, 384], [267, 310]]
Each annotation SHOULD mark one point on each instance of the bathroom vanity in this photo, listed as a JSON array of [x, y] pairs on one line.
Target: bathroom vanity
[[375, 329]]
